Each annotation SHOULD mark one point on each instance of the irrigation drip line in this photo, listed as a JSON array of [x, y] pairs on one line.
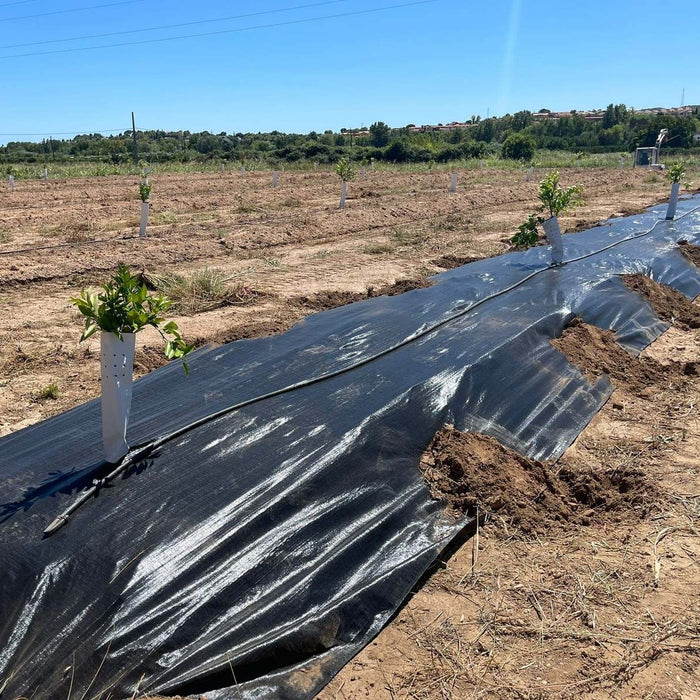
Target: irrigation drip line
[[140, 452], [67, 245], [249, 222]]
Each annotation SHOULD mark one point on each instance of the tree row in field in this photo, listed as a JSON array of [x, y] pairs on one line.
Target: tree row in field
[[512, 136]]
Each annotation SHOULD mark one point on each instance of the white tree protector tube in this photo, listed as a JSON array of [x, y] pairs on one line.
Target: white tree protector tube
[[275, 178], [12, 182], [242, 169], [343, 193], [46, 174], [553, 233], [145, 206], [528, 174], [117, 374], [453, 183], [673, 201]]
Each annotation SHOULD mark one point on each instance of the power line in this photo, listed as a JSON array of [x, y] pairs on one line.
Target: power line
[[75, 9], [18, 2], [173, 26], [223, 31], [69, 133]]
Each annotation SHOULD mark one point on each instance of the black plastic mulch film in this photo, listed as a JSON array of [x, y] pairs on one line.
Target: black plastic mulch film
[[273, 541]]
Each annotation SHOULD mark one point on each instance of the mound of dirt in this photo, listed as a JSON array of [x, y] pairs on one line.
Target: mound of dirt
[[246, 331], [595, 352], [331, 300], [610, 489], [668, 303], [470, 471], [692, 252], [399, 287], [146, 359], [449, 262]]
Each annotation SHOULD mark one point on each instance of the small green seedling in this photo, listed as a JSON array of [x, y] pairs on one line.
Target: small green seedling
[[125, 306]]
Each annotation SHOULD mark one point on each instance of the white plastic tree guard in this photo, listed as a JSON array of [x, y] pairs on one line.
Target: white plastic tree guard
[[275, 178], [117, 358], [12, 182], [145, 207], [528, 174], [553, 233], [343, 194], [673, 201], [453, 183]]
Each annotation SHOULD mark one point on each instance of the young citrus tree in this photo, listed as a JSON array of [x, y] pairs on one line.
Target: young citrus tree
[[676, 174], [145, 195], [347, 172], [121, 309], [556, 200]]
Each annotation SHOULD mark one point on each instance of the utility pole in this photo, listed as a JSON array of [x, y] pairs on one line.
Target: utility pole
[[136, 146]]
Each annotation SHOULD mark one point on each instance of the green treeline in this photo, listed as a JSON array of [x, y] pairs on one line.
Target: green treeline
[[620, 129]]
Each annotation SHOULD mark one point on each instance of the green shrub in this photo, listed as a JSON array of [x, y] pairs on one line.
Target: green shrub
[[518, 147]]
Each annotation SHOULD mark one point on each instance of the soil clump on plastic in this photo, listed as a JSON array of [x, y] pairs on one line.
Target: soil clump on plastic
[[668, 304], [475, 474], [324, 300], [596, 352], [692, 252], [449, 262]]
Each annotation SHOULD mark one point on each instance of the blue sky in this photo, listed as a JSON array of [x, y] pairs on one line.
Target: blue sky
[[426, 63]]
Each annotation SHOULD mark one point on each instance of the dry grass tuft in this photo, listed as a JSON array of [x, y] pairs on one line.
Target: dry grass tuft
[[202, 290]]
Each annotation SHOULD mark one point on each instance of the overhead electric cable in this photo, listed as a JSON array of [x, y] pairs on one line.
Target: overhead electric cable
[[69, 133], [75, 9], [174, 26], [224, 31], [18, 2]]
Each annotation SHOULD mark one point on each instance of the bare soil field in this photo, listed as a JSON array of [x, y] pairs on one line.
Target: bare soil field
[[290, 249], [582, 578]]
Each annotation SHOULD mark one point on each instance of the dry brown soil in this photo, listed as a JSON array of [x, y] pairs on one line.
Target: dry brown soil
[[291, 246], [582, 580]]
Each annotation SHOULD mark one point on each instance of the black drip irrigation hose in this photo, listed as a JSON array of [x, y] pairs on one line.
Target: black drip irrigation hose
[[67, 245], [140, 452]]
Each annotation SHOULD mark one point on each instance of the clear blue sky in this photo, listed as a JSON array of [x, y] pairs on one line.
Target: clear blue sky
[[426, 63]]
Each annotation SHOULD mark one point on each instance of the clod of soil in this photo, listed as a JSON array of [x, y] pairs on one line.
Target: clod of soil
[[448, 262], [595, 352], [250, 330], [470, 470], [146, 359], [668, 303], [330, 300], [613, 489], [692, 252]]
